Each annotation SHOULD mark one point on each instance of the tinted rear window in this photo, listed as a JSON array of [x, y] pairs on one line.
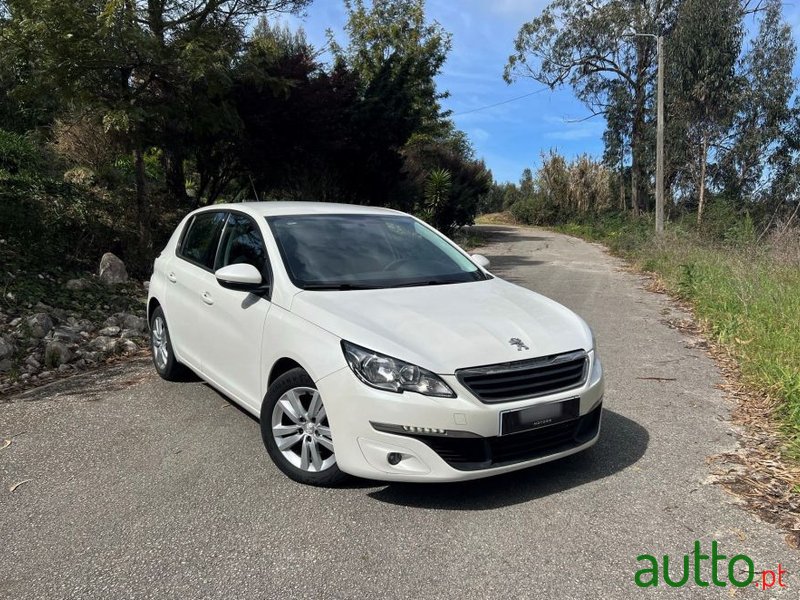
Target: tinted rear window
[[200, 243]]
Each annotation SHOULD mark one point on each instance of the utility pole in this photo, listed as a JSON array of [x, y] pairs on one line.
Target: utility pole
[[659, 126], [660, 138]]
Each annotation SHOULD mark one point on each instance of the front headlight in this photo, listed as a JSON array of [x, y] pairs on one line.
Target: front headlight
[[597, 369], [387, 373]]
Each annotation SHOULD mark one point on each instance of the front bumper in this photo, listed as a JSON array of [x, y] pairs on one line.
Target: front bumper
[[472, 447]]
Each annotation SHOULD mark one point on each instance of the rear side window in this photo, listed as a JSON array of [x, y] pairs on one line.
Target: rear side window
[[200, 243]]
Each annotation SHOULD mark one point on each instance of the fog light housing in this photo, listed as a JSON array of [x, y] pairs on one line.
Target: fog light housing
[[394, 458]]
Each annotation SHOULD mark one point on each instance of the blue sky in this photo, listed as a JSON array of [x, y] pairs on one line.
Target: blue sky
[[511, 136]]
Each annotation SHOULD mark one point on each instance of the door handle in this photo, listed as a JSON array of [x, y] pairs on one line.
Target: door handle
[[171, 277], [207, 298]]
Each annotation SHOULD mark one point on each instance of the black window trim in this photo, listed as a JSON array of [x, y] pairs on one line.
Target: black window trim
[[179, 249], [227, 212]]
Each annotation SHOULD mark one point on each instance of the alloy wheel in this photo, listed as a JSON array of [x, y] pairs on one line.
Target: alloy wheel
[[301, 430], [159, 340]]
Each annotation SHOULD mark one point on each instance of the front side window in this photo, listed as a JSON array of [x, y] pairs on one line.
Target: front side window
[[367, 251], [200, 244], [241, 243]]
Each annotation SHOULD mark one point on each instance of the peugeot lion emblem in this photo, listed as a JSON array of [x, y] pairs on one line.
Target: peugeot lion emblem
[[519, 344]]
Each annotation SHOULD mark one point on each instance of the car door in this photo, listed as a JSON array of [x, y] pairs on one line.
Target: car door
[[190, 275], [236, 318]]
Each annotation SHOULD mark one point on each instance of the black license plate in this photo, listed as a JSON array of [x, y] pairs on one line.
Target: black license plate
[[540, 415]]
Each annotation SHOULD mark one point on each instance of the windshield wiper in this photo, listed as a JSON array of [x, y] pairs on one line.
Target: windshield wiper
[[426, 282], [338, 286]]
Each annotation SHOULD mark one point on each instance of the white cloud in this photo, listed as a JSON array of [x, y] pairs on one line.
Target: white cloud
[[581, 133], [478, 134]]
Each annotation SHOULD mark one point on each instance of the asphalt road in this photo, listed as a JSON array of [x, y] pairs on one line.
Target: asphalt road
[[145, 489]]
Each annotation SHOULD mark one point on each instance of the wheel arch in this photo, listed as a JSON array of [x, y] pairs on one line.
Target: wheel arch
[[281, 366], [152, 304]]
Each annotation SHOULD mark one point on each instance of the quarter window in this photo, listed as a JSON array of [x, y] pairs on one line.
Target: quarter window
[[200, 244]]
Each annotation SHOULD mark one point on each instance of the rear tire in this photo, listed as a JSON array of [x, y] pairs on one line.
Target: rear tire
[[167, 366], [296, 432]]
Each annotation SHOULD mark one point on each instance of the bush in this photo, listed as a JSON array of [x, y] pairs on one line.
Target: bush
[[562, 191], [83, 142], [17, 153]]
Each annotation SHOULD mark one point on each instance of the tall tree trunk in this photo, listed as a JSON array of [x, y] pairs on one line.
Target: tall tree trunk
[[622, 203], [702, 192], [175, 175], [142, 202]]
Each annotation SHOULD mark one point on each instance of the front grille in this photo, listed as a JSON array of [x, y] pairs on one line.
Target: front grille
[[526, 378], [474, 453]]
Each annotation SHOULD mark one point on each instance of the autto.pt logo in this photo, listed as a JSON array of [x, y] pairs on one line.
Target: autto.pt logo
[[703, 570]]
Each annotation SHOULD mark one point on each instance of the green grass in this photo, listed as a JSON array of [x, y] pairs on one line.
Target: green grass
[[749, 303]]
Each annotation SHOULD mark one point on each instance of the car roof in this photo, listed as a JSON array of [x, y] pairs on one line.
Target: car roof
[[268, 209]]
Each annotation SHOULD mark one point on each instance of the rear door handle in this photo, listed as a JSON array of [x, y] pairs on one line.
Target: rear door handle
[[207, 298], [171, 277]]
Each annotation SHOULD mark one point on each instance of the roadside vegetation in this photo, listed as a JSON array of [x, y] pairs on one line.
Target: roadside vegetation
[[745, 294], [116, 118]]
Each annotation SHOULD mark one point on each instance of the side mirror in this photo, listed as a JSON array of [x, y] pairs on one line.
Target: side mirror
[[481, 261], [243, 277]]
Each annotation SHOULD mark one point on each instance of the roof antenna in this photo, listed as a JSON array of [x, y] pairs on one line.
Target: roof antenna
[[253, 185]]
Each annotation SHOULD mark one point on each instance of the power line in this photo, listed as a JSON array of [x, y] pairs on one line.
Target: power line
[[466, 112]]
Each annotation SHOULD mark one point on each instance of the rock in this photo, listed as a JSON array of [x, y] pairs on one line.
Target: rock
[[136, 323], [85, 325], [56, 354], [109, 331], [5, 365], [62, 368], [15, 322], [7, 347], [146, 285], [102, 344], [126, 347], [78, 285], [66, 334], [131, 334], [40, 325], [112, 321], [32, 363], [112, 269]]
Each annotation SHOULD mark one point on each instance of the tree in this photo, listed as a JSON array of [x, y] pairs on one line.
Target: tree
[[584, 44], [764, 113], [396, 28], [704, 48], [138, 63]]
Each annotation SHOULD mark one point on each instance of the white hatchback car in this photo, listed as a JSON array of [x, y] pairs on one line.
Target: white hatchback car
[[369, 344]]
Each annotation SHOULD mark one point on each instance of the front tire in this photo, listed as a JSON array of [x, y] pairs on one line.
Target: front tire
[[296, 431]]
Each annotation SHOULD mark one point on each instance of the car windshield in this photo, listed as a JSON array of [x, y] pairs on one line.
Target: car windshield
[[327, 252]]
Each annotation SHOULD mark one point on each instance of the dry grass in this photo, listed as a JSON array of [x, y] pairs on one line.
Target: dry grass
[[501, 218], [758, 474]]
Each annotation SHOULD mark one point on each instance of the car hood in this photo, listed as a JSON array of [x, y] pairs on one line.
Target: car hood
[[447, 327]]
